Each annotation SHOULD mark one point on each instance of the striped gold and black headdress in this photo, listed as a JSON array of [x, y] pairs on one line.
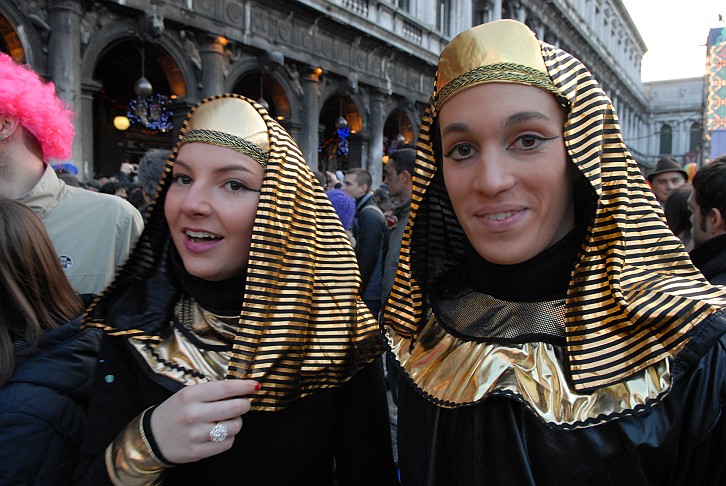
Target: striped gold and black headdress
[[302, 326], [634, 297]]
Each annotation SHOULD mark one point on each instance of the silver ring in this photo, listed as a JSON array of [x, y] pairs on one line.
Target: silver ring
[[218, 433]]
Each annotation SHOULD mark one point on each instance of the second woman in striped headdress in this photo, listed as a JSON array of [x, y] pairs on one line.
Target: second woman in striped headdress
[[237, 350]]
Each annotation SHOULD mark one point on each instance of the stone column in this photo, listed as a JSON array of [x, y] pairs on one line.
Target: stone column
[[464, 16], [212, 53], [521, 12], [64, 64], [375, 147], [496, 9], [86, 170], [430, 12], [179, 107], [311, 113]]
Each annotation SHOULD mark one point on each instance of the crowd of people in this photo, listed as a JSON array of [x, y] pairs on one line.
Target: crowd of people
[[539, 311]]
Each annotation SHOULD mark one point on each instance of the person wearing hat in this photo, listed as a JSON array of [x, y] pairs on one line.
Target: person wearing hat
[[91, 233], [547, 325], [666, 178], [344, 205], [236, 347]]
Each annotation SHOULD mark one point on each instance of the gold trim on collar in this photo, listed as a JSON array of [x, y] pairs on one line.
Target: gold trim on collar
[[454, 373]]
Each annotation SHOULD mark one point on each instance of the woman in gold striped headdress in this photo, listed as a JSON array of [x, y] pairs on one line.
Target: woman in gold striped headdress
[[236, 349], [548, 327]]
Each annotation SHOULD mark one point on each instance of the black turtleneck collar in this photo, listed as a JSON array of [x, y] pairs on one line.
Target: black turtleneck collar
[[222, 297], [544, 277]]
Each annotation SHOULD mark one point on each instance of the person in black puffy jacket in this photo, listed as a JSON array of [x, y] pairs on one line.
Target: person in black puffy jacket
[[46, 361]]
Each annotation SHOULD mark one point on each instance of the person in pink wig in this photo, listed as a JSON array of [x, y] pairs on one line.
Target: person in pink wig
[[92, 233]]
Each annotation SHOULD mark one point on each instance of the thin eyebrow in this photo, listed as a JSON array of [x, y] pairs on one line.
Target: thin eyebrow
[[511, 121], [524, 116], [220, 170], [455, 127]]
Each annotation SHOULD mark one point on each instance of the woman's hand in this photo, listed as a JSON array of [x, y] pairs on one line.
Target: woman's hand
[[181, 424]]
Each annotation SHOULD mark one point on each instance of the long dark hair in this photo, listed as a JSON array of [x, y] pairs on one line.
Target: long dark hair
[[35, 295]]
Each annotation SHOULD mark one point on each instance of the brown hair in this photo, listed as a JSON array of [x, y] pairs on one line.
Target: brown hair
[[362, 177], [710, 186], [35, 293]]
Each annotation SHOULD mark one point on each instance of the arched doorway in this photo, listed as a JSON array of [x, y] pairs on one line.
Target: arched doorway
[[397, 131], [265, 89], [10, 41], [132, 116], [339, 121]]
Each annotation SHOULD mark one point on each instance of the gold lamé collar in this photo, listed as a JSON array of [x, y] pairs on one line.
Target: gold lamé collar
[[182, 359], [455, 372]]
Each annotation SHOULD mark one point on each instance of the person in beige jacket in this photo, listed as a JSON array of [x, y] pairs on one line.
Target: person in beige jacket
[[92, 233]]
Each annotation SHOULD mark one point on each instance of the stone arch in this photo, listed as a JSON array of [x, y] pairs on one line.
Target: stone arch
[[25, 37], [287, 99], [97, 131], [353, 103], [400, 118], [113, 33], [355, 114]]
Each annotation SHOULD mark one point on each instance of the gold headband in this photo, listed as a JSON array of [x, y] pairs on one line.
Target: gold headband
[[231, 123], [226, 140], [506, 51]]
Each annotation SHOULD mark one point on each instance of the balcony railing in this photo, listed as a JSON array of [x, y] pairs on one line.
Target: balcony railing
[[358, 6]]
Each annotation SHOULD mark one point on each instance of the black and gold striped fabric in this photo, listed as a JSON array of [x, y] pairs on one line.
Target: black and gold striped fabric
[[302, 326], [634, 297]]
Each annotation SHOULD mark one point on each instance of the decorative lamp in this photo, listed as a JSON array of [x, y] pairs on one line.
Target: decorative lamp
[[121, 122]]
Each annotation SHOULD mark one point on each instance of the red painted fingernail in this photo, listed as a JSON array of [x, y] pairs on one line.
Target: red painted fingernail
[[257, 386]]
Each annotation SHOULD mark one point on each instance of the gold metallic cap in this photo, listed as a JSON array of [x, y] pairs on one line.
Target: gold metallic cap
[[500, 51], [229, 122]]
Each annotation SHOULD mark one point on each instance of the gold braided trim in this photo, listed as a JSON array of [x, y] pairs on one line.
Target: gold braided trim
[[499, 72], [225, 140]]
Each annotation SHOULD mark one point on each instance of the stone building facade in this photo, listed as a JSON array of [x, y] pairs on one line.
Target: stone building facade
[[368, 62], [676, 119]]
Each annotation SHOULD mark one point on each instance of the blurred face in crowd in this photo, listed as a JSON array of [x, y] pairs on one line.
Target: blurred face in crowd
[[394, 181], [664, 184], [211, 206], [704, 226], [506, 169], [352, 188]]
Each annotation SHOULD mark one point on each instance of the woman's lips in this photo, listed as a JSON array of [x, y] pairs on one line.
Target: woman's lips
[[199, 241]]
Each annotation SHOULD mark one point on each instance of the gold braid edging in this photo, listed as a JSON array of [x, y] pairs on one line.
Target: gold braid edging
[[499, 72], [228, 141]]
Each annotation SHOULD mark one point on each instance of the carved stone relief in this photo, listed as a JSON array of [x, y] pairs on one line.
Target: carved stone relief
[[235, 14]]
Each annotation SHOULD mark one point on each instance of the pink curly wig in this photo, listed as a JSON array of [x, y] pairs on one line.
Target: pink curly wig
[[39, 110]]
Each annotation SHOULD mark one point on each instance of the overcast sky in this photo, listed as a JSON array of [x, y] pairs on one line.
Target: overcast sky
[[675, 32]]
